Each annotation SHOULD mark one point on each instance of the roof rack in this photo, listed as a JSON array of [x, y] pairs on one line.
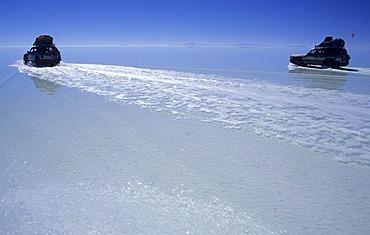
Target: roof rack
[[44, 40], [330, 42]]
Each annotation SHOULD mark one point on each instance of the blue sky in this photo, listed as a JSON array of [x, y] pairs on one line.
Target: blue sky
[[182, 21]]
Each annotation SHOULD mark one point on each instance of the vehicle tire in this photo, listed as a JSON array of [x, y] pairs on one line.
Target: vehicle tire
[[59, 58], [298, 61], [330, 63], [25, 59], [37, 61]]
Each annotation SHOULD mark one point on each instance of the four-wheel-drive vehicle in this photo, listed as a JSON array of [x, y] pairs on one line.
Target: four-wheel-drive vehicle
[[330, 54], [43, 53]]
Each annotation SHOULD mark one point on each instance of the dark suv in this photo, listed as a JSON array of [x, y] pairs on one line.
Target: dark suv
[[43, 52], [330, 53]]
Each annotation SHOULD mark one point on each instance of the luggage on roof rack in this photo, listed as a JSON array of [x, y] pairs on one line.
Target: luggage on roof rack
[[329, 42], [43, 40]]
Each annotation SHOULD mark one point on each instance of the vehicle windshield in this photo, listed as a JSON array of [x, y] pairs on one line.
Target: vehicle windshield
[[43, 49]]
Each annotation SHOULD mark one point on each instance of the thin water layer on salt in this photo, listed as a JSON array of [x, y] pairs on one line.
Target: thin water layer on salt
[[117, 207], [72, 167], [71, 161], [329, 121]]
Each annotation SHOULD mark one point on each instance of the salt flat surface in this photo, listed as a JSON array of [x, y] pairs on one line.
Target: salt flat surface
[[329, 121], [73, 163], [158, 159]]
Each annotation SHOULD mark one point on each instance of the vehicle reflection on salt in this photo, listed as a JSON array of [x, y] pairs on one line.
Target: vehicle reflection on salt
[[318, 78], [45, 86]]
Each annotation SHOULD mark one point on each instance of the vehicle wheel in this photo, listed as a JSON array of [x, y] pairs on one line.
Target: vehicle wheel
[[330, 64], [37, 61], [25, 59], [298, 61]]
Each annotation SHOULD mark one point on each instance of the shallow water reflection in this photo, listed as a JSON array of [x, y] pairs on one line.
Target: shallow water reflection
[[45, 86], [332, 80]]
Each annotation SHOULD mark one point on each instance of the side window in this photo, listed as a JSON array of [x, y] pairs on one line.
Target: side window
[[315, 52], [319, 52], [312, 52]]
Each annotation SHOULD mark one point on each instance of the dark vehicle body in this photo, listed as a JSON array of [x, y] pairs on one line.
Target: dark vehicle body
[[330, 54], [43, 53]]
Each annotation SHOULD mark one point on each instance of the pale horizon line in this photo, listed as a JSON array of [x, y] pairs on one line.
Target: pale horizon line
[[179, 45], [188, 45]]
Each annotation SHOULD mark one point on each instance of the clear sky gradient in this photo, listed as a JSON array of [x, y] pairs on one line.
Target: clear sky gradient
[[92, 22]]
